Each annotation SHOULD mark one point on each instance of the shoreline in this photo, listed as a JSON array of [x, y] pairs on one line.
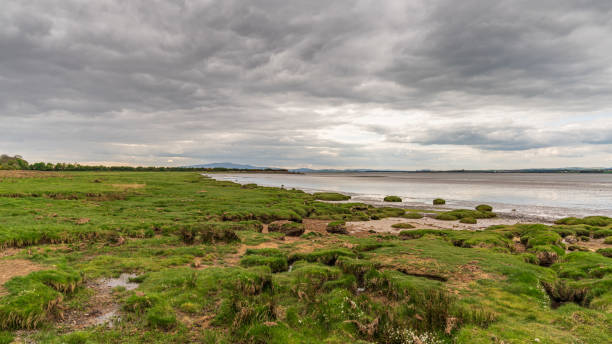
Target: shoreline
[[513, 198]]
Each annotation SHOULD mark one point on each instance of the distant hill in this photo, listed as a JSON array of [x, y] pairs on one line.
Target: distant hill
[[230, 165]]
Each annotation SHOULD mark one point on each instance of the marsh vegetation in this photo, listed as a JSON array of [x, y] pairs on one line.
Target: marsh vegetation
[[214, 262]]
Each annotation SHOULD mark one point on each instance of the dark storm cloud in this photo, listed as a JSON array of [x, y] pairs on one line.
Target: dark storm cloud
[[268, 81]]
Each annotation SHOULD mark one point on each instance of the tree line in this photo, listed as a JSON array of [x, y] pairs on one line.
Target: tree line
[[18, 163]]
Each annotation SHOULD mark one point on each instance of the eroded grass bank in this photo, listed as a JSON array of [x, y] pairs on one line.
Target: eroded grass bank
[[209, 270]]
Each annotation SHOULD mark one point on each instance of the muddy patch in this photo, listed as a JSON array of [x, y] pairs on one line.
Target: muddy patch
[[102, 309], [234, 259], [312, 225], [593, 244], [10, 268]]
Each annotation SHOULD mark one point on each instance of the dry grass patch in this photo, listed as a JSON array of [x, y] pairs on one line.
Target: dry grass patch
[[28, 174]]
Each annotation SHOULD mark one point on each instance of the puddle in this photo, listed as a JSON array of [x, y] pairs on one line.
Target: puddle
[[122, 281], [103, 309]]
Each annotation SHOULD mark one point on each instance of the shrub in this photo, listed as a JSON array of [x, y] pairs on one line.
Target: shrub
[[402, 225], [392, 199], [469, 220], [337, 227], [330, 196], [608, 240], [484, 207], [439, 201]]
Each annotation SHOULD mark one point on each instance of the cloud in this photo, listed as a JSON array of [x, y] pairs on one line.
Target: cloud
[[391, 84]]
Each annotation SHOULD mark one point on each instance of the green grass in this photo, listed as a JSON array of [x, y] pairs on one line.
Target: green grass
[[201, 258], [599, 221], [330, 196]]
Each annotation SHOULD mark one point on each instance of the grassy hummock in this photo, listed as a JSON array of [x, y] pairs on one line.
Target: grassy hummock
[[337, 227], [439, 201], [392, 199], [484, 207], [330, 196]]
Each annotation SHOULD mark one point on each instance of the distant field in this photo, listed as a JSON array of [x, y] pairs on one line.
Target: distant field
[[176, 257]]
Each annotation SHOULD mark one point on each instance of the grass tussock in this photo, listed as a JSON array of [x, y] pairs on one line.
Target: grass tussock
[[35, 298], [337, 227], [288, 228]]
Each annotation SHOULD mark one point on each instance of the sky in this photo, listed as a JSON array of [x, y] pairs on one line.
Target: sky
[[439, 84]]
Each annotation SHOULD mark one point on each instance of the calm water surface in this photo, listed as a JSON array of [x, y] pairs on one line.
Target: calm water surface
[[544, 195]]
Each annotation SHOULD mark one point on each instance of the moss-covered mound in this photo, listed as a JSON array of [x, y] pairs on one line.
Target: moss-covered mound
[[484, 207], [392, 199], [469, 220]]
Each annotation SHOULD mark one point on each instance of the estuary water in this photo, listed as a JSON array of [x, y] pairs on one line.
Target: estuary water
[[545, 196]]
